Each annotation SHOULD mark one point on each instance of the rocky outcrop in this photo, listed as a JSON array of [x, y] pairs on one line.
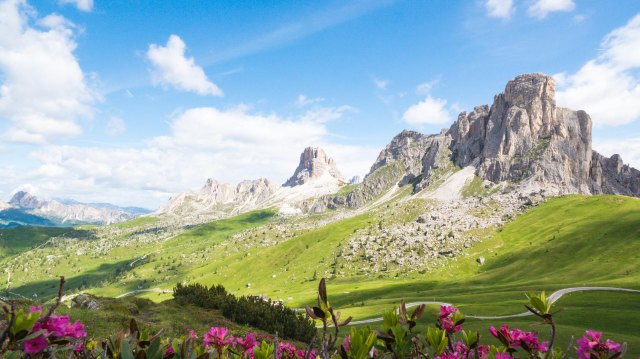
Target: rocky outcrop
[[611, 175], [399, 163], [522, 139], [71, 212], [314, 163], [525, 138], [221, 197]]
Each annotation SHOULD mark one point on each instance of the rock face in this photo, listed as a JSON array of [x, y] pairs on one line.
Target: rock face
[[314, 163], [221, 197], [72, 212], [524, 138]]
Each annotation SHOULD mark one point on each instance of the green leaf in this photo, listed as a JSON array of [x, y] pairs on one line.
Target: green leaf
[[125, 350]]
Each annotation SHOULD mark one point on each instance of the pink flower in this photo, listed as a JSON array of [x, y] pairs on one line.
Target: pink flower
[[347, 342], [35, 309], [57, 325], [35, 345], [168, 352], [447, 310], [503, 356], [287, 350], [591, 345], [517, 337], [249, 341], [76, 330], [448, 325], [217, 336], [192, 334]]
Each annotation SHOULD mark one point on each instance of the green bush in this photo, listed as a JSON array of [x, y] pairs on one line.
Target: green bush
[[263, 314]]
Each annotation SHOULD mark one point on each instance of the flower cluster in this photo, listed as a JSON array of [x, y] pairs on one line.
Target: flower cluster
[[52, 329], [446, 318], [518, 338], [592, 346]]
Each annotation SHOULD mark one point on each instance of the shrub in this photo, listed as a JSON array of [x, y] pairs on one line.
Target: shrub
[[262, 314]]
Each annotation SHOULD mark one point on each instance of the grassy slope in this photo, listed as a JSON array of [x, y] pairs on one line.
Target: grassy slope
[[569, 241]]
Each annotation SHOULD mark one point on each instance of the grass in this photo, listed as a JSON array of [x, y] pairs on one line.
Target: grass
[[567, 241]]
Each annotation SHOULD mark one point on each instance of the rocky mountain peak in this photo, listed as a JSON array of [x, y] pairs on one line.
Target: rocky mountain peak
[[26, 200], [314, 163]]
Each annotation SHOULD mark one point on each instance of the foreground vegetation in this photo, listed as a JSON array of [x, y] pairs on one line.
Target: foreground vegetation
[[39, 333]]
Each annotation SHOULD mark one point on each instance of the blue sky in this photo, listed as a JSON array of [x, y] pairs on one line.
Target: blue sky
[[130, 102]]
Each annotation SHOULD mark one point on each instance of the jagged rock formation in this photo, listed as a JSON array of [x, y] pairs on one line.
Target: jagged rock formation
[[221, 197], [314, 163], [525, 138], [355, 180], [522, 139], [315, 177], [71, 212]]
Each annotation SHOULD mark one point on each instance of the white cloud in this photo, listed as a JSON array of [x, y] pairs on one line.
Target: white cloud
[[303, 101], [172, 68], [82, 5], [381, 84], [116, 126], [608, 86], [429, 111], [44, 91], [541, 8], [230, 145], [499, 8]]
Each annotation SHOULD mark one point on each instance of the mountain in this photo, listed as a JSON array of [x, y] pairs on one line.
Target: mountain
[[523, 141], [314, 164], [315, 175], [220, 199], [68, 212]]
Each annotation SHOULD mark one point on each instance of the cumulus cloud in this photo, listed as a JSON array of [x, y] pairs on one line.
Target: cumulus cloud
[[430, 111], [44, 92], [608, 86], [82, 5], [230, 145], [499, 8], [172, 68], [541, 8], [116, 126]]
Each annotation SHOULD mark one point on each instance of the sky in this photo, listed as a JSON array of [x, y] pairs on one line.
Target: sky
[[133, 101]]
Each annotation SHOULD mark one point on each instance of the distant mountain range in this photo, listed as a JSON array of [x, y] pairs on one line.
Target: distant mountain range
[[522, 142], [25, 209]]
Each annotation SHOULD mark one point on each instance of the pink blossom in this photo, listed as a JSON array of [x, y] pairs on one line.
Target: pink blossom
[[57, 325], [516, 337], [35, 309], [447, 310], [192, 334], [217, 336], [35, 345], [249, 341], [169, 352], [76, 330], [347, 342], [287, 350], [448, 325], [591, 345], [503, 356]]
